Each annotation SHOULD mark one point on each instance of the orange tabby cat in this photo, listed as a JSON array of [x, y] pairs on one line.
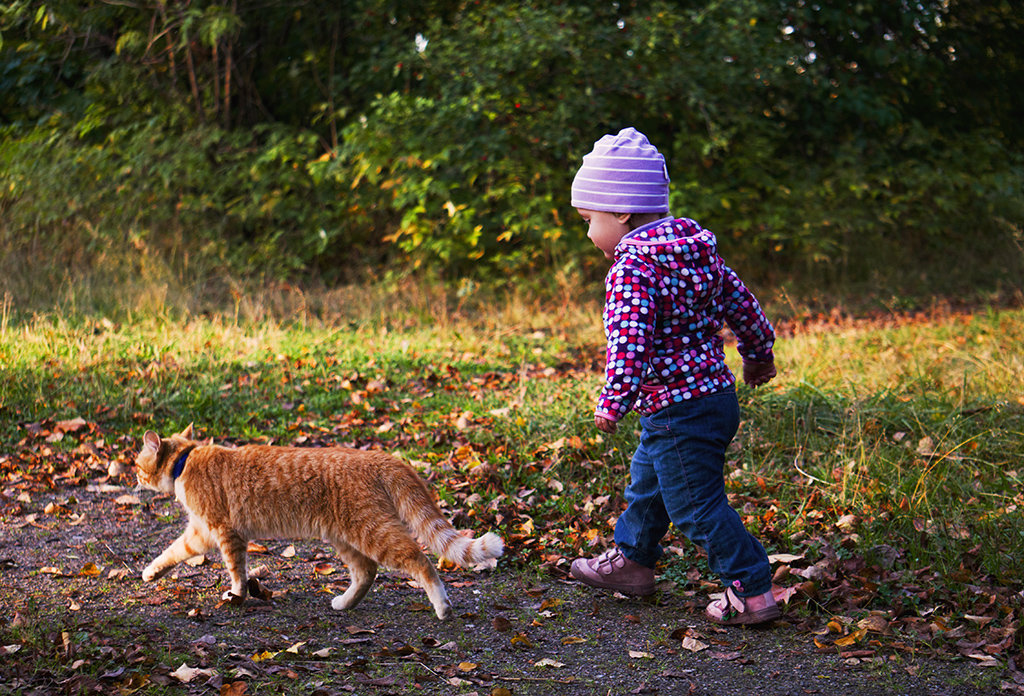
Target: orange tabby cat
[[363, 503]]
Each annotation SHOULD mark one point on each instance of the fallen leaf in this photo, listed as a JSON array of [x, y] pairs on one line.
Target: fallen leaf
[[256, 547], [185, 674], [982, 621], [548, 662], [640, 655], [926, 446], [127, 499], [784, 594], [550, 603], [851, 639], [573, 640], [784, 558], [235, 688], [520, 639], [71, 426], [984, 660], [693, 645], [324, 569], [467, 666], [90, 570], [288, 552], [876, 623]]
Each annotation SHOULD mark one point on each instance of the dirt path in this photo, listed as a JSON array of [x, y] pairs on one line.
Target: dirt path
[[77, 619]]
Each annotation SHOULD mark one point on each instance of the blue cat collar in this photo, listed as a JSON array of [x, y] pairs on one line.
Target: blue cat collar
[[179, 463]]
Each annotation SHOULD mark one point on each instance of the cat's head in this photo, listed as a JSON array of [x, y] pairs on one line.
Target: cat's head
[[156, 458]]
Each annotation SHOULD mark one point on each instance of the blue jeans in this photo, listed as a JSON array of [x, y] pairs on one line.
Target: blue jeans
[[677, 476]]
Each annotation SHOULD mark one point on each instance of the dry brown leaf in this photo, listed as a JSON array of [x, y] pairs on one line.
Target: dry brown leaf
[[185, 674], [693, 645], [90, 570]]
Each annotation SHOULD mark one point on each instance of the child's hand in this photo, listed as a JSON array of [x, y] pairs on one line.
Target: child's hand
[[605, 425], [757, 373]]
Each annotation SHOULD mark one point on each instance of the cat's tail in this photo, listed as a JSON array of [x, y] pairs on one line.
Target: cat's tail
[[421, 513]]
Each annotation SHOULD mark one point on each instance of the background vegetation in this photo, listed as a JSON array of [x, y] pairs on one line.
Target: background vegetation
[[868, 147]]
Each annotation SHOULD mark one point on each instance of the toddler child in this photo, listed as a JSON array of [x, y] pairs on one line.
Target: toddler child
[[667, 295]]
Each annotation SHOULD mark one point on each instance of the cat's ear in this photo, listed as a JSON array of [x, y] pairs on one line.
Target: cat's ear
[[151, 441], [188, 433]]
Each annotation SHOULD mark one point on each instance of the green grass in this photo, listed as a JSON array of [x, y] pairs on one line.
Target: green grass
[[911, 436]]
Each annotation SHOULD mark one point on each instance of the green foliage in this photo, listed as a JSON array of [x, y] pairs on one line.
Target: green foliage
[[283, 141]]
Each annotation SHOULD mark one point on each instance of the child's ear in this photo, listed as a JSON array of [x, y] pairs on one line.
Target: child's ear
[[623, 218]]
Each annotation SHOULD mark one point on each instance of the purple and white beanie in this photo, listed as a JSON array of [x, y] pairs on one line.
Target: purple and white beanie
[[623, 174]]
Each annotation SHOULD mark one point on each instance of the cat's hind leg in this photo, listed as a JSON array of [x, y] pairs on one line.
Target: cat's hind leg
[[362, 572], [394, 548], [192, 542]]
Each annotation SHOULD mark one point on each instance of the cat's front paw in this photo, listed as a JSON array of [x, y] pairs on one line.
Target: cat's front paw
[[233, 599], [152, 572]]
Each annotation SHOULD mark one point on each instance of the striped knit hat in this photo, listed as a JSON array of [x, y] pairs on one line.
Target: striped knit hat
[[624, 174]]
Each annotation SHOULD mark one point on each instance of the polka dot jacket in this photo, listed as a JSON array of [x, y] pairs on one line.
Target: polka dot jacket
[[667, 296]]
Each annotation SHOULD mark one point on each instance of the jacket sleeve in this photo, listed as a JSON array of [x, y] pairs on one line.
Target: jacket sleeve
[[755, 335], [629, 321]]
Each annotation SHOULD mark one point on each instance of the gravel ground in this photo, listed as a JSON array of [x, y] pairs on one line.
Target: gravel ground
[[77, 619]]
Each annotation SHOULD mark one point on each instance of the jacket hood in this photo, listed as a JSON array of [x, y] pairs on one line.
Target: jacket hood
[[683, 253]]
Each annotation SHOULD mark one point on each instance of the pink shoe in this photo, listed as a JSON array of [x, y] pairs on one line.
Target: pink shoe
[[613, 571], [733, 610]]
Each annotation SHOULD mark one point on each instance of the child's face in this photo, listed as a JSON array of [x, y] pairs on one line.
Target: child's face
[[605, 229]]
